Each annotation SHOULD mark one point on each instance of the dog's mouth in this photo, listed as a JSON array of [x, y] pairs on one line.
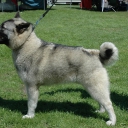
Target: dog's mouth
[[3, 38]]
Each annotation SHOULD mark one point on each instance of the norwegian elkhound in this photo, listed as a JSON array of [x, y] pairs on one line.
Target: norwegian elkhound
[[40, 63]]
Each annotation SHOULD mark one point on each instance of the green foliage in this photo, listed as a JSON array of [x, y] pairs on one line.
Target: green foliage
[[67, 105]]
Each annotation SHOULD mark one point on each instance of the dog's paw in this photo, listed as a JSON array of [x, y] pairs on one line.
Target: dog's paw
[[27, 116], [110, 123]]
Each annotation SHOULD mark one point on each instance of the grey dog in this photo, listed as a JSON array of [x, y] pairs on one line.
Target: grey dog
[[40, 63]]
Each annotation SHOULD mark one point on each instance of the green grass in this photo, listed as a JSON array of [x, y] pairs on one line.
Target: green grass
[[67, 105]]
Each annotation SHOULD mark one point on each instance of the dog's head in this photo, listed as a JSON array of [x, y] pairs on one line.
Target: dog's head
[[14, 32]]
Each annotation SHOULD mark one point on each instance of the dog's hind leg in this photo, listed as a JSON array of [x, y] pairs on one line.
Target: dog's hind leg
[[33, 93], [101, 109], [97, 85], [103, 98]]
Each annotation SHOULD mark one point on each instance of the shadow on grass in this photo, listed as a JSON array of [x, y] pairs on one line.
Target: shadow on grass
[[80, 108], [120, 100], [84, 94]]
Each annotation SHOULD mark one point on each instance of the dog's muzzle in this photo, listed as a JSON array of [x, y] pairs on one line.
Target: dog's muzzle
[[3, 38]]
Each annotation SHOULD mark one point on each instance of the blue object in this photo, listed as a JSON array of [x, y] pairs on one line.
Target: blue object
[[37, 4]]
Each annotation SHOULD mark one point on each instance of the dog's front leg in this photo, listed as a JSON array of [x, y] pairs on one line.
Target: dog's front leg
[[33, 93]]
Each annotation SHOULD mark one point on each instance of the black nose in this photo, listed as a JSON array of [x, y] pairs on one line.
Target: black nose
[[3, 38]]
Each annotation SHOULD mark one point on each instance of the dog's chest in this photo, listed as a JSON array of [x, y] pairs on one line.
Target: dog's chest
[[22, 65]]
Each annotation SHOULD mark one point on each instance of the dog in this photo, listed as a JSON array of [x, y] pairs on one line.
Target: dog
[[41, 63]]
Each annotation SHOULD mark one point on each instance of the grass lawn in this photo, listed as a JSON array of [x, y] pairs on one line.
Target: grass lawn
[[67, 105]]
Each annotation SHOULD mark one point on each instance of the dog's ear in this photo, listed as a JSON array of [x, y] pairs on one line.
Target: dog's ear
[[17, 15], [22, 27]]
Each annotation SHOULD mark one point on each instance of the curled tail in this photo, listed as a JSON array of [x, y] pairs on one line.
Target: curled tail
[[108, 54]]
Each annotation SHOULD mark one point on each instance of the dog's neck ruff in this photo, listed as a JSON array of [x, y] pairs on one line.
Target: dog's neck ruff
[[23, 42]]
